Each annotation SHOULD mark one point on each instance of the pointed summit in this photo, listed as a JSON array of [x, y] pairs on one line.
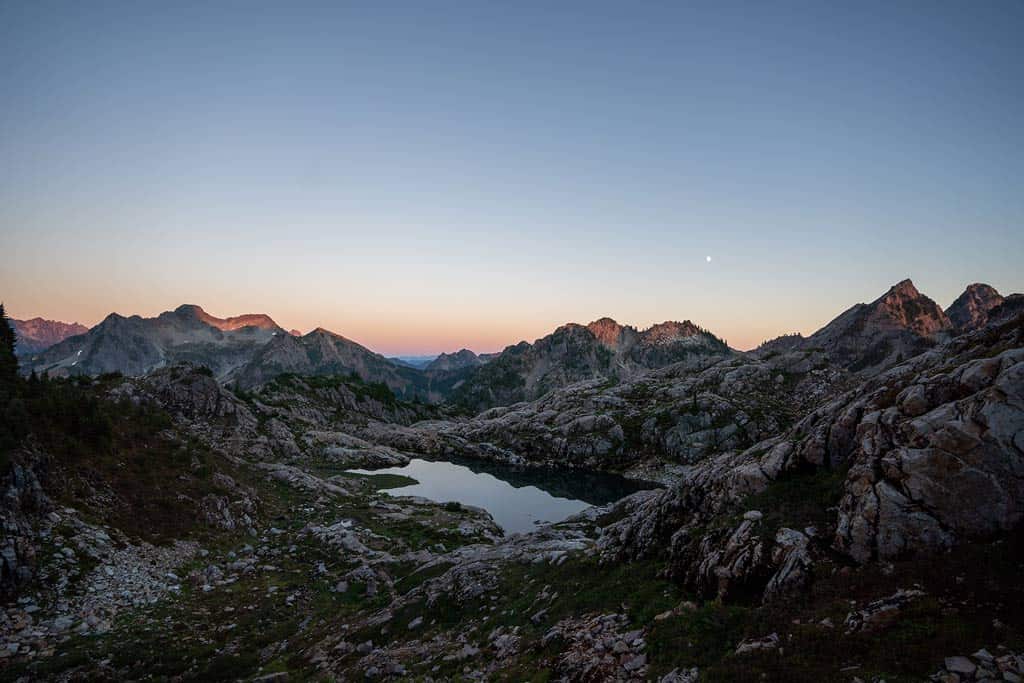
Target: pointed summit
[[903, 306], [904, 288], [899, 324], [971, 309]]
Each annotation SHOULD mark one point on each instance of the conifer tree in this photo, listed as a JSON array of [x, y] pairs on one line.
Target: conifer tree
[[8, 361]]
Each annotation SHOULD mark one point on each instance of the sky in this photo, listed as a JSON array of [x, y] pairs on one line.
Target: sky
[[427, 176]]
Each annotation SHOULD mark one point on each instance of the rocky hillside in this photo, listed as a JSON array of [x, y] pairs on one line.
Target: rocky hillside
[[912, 462], [39, 334], [602, 349], [671, 416]]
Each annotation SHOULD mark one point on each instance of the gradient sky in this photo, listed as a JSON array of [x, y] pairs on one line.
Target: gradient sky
[[426, 176]]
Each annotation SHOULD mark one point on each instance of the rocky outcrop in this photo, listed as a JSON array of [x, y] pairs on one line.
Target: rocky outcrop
[[287, 419], [24, 502], [880, 613], [677, 414], [1012, 306], [943, 463], [192, 393], [982, 666]]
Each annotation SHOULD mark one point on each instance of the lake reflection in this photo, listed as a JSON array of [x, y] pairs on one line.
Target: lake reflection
[[517, 498]]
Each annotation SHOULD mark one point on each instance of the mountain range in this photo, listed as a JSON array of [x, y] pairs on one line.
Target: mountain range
[[250, 350], [834, 494], [38, 334], [573, 352]]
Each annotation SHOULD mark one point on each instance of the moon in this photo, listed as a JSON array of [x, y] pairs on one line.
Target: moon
[[708, 259]]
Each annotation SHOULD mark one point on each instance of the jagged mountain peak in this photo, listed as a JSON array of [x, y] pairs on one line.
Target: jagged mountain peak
[[900, 323], [971, 309], [903, 288], [904, 306]]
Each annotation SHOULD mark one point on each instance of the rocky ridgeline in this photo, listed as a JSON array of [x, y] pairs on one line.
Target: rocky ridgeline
[[675, 415], [573, 353]]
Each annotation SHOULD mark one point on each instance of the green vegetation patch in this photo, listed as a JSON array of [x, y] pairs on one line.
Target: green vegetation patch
[[380, 482], [798, 500]]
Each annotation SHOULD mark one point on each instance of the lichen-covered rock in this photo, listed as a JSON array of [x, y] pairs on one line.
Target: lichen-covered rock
[[880, 613], [22, 504], [950, 468]]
